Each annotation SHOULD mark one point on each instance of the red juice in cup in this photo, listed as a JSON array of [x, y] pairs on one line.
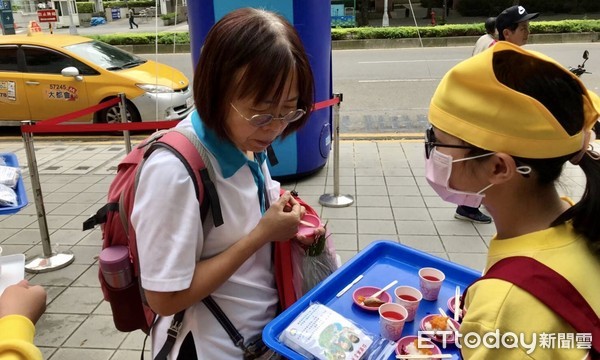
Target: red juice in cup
[[407, 297], [392, 315], [430, 282]]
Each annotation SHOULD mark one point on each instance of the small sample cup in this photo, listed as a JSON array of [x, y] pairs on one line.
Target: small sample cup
[[430, 281], [410, 298], [391, 320]]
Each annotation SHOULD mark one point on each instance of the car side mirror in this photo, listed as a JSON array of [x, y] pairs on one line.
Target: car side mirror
[[71, 71]]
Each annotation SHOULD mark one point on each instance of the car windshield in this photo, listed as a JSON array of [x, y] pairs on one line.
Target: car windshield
[[106, 56]]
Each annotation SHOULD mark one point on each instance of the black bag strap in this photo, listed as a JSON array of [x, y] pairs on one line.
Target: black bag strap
[[252, 351], [172, 334], [215, 309]]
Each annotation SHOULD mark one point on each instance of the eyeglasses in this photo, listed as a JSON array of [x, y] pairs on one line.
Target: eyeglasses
[[430, 143], [259, 120]]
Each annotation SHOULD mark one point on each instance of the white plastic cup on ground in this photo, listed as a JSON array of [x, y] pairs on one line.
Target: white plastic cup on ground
[[410, 298], [392, 317], [430, 281]]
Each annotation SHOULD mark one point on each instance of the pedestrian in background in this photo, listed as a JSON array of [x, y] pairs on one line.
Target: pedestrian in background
[[132, 19], [513, 25], [464, 212], [489, 38]]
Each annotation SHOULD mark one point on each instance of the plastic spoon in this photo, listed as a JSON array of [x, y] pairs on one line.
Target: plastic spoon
[[374, 300]]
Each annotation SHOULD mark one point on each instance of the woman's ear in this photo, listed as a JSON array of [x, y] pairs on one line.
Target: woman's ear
[[502, 168]]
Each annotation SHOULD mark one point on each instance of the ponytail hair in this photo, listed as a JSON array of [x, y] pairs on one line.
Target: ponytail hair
[[586, 213], [562, 95]]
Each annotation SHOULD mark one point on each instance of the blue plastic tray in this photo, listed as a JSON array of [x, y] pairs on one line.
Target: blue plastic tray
[[380, 263], [11, 160]]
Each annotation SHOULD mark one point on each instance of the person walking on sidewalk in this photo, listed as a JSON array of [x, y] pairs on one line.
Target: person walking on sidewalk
[[488, 39], [504, 143], [464, 212], [132, 19], [513, 25]]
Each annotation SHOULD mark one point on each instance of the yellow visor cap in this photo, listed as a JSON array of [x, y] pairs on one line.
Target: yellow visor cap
[[472, 105]]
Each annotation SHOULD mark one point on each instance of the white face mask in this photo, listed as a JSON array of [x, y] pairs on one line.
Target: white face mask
[[437, 172]]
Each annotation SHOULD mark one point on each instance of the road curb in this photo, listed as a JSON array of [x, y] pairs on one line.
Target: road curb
[[382, 136], [361, 44], [456, 41]]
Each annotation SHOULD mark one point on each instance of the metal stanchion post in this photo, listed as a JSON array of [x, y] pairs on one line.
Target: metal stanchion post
[[123, 108], [49, 260], [335, 199]]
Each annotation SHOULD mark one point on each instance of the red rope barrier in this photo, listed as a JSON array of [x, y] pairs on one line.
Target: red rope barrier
[[52, 125], [79, 113], [78, 128], [326, 103]]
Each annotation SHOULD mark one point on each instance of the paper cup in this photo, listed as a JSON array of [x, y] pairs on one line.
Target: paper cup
[[391, 320], [410, 298], [430, 281]]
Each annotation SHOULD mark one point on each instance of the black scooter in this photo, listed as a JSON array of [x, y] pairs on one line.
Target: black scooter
[[580, 69]]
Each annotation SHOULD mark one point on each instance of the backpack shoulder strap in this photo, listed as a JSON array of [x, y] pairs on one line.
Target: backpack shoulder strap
[[551, 288], [186, 146]]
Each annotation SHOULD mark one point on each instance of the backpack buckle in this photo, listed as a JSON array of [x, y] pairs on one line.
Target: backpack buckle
[[175, 328]]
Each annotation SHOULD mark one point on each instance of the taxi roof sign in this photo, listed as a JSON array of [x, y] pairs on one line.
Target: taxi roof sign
[[33, 28]]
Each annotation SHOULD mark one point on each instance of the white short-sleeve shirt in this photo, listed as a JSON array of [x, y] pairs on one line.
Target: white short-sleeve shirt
[[171, 239]]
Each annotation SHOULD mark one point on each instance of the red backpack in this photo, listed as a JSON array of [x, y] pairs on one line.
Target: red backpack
[[129, 308]]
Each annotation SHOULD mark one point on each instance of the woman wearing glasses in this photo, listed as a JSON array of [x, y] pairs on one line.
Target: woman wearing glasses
[[253, 83], [504, 124]]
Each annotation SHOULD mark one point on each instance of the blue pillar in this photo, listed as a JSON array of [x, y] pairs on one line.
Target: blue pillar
[[307, 150], [6, 18]]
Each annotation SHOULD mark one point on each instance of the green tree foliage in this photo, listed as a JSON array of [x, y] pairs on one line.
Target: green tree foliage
[[112, 4], [494, 7], [536, 27], [85, 7]]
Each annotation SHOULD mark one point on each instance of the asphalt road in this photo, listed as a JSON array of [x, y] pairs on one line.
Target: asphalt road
[[388, 91]]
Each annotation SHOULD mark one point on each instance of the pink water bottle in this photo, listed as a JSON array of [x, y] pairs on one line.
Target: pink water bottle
[[116, 266]]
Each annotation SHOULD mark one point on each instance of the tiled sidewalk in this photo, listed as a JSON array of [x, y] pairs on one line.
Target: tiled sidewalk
[[386, 178]]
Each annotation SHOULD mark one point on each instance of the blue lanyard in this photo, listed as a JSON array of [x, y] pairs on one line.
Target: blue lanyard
[[259, 179]]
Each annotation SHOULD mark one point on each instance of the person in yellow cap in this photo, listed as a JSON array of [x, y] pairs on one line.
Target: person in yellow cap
[[503, 125]]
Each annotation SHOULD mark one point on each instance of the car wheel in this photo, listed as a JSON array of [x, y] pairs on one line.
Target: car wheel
[[112, 114]]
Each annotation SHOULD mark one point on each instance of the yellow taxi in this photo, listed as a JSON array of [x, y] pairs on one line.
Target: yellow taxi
[[45, 75]]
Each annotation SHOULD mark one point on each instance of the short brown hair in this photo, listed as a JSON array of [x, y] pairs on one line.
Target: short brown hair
[[266, 47]]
